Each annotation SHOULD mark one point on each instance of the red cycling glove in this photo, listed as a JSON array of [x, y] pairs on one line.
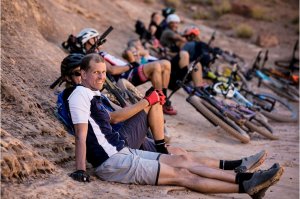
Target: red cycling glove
[[162, 97], [152, 96]]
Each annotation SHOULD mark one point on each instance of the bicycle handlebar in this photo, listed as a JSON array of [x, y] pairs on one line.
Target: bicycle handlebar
[[101, 40]]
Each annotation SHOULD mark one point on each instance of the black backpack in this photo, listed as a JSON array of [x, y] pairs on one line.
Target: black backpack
[[141, 30], [72, 45]]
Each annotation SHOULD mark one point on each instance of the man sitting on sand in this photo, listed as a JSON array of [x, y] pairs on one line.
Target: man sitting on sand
[[114, 161]]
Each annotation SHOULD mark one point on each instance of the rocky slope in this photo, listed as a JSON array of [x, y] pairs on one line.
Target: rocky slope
[[37, 152]]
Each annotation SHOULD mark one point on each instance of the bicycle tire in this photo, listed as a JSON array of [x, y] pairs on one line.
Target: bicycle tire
[[112, 89], [287, 64], [197, 103], [261, 130], [133, 94], [281, 107], [286, 92]]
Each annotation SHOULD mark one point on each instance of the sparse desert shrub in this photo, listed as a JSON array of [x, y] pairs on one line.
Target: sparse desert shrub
[[222, 8], [172, 3], [200, 14], [244, 31], [259, 13]]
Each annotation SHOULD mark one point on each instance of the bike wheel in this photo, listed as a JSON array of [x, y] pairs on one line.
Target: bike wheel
[[260, 130], [197, 103], [286, 91], [132, 94], [114, 93], [259, 125], [282, 111], [287, 64]]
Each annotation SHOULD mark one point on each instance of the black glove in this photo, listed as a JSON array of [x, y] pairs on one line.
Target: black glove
[[80, 175]]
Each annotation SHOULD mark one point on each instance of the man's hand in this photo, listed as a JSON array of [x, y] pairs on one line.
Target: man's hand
[[80, 175], [162, 97], [152, 96]]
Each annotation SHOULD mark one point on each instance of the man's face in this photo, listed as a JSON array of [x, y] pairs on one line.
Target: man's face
[[95, 76], [174, 26]]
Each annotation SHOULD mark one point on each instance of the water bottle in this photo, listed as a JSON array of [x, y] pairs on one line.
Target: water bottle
[[240, 99]]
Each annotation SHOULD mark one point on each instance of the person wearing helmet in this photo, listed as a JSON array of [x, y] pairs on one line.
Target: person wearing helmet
[[158, 72], [180, 63], [70, 74], [133, 127], [165, 13], [170, 37], [87, 38], [195, 47]]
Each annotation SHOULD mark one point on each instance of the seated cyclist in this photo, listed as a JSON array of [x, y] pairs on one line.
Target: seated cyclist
[[181, 59], [131, 122], [158, 72], [134, 130], [135, 53], [114, 161]]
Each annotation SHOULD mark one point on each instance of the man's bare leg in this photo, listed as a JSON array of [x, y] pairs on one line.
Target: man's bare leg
[[153, 72], [166, 71], [156, 121], [179, 176], [184, 62]]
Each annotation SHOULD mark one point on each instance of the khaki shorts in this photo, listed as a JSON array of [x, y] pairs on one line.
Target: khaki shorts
[[131, 166]]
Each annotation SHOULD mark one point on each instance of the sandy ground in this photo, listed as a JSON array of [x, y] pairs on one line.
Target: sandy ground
[[37, 153]]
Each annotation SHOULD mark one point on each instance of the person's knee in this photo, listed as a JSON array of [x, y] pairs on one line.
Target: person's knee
[[156, 108], [184, 58], [157, 67], [184, 55], [166, 65], [185, 157]]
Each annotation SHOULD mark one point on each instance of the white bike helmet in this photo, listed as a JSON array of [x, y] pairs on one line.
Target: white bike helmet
[[86, 34], [173, 18]]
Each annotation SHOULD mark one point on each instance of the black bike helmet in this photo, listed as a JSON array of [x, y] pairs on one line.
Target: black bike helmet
[[70, 62], [67, 65], [167, 11]]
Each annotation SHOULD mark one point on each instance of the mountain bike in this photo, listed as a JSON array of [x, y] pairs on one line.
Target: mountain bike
[[280, 87], [269, 105], [293, 62], [235, 120], [284, 74]]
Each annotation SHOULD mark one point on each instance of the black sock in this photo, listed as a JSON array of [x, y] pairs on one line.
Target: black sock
[[164, 90], [240, 178], [160, 146], [229, 164]]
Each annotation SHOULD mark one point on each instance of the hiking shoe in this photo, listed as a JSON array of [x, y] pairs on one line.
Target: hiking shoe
[[262, 180], [260, 194], [251, 162], [168, 109]]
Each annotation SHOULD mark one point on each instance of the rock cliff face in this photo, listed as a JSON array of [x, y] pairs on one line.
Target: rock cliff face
[[32, 32]]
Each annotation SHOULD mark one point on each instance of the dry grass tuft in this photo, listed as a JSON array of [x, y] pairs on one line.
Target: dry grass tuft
[[244, 31], [222, 8], [173, 3]]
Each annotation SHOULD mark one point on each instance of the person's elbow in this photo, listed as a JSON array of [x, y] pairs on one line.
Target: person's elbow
[[114, 118]]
